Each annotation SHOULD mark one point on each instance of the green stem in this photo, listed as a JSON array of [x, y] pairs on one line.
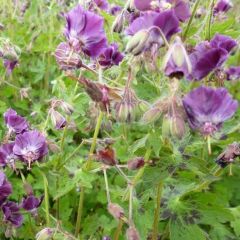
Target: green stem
[[118, 230], [209, 145], [208, 32], [46, 199], [87, 167], [191, 19], [157, 211]]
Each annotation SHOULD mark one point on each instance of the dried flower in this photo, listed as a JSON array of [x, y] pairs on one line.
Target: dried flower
[[30, 147], [207, 108], [115, 210], [228, 155], [136, 163], [107, 156]]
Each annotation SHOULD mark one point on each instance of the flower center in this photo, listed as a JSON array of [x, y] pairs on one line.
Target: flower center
[[208, 129]]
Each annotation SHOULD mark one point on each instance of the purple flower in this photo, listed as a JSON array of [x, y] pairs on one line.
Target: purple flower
[[14, 122], [207, 108], [181, 8], [5, 188], [84, 31], [233, 73], [177, 62], [7, 157], [209, 56], [115, 9], [223, 6], [30, 147], [146, 30], [31, 204], [11, 214], [102, 4], [110, 56], [10, 65], [57, 118]]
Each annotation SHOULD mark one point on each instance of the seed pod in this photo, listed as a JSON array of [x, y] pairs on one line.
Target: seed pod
[[45, 234], [115, 210], [132, 234], [136, 163]]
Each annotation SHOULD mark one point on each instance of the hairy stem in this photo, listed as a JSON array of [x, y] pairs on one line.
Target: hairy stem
[[118, 230], [106, 184], [157, 211]]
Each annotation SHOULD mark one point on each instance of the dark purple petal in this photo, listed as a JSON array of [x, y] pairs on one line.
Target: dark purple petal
[[102, 4], [12, 214], [30, 146], [5, 188], [224, 42], [223, 6], [10, 65], [14, 122], [143, 5], [207, 108], [31, 204], [233, 73], [84, 31], [110, 56], [7, 157], [181, 9]]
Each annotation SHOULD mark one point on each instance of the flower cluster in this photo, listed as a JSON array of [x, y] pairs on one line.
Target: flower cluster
[[21, 143]]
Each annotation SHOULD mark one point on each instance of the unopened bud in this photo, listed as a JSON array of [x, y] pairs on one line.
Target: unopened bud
[[118, 23], [151, 115], [53, 147], [138, 43], [115, 210], [66, 107], [132, 234], [177, 126], [45, 234], [57, 118], [136, 163], [66, 57]]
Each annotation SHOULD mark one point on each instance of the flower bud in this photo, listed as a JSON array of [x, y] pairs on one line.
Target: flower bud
[[138, 43], [57, 118], [67, 58], [132, 234], [136, 163], [66, 107], [115, 210], [45, 234], [106, 238], [176, 60], [177, 126], [151, 115], [118, 23]]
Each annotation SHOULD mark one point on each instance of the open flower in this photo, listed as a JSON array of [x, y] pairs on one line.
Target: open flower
[[209, 56], [5, 188], [110, 56], [233, 73], [7, 157], [84, 31], [147, 30], [31, 204], [223, 6], [207, 108], [14, 122], [11, 214], [30, 147]]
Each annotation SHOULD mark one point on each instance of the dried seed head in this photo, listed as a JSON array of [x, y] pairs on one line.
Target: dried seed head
[[132, 234], [107, 156], [115, 210], [136, 163], [231, 152]]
